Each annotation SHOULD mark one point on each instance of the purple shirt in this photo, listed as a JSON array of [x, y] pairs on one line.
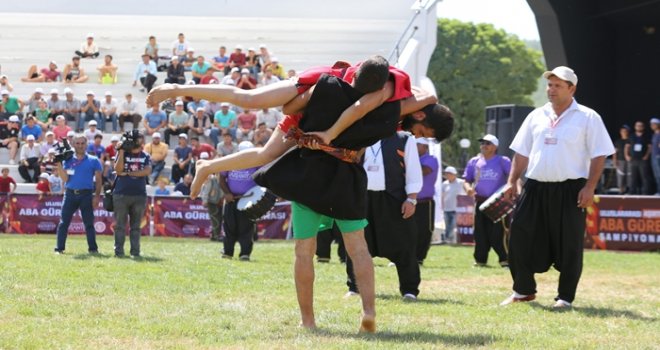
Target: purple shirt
[[240, 181], [428, 187], [489, 175]]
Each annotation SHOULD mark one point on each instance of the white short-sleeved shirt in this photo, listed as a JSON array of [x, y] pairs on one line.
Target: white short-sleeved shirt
[[563, 151], [375, 168]]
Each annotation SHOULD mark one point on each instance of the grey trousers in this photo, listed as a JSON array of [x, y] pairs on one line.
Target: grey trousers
[[131, 208]]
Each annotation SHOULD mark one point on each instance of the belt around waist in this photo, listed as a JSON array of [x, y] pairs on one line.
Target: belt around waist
[[78, 191]]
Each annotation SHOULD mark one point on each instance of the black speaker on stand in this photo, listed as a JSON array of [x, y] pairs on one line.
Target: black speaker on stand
[[503, 121]]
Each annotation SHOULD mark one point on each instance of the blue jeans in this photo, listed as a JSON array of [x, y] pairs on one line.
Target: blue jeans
[[71, 203], [450, 226], [86, 117], [156, 168], [103, 118]]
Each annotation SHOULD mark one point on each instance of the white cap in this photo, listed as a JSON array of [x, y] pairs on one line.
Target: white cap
[[90, 92], [204, 155], [92, 122], [90, 35], [200, 109], [155, 135], [68, 91], [235, 69], [563, 73], [53, 62], [490, 138], [451, 170], [54, 91], [50, 133], [14, 119], [190, 49], [245, 71], [114, 138], [274, 59], [183, 135], [30, 137], [59, 117], [251, 49], [43, 175], [175, 58], [224, 104], [4, 92], [655, 121], [422, 141], [263, 46], [70, 133], [39, 90], [108, 93], [239, 47], [179, 103], [245, 145]]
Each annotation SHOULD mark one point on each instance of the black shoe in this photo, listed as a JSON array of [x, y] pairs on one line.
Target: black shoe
[[93, 251], [58, 251], [119, 255], [244, 258], [323, 260]]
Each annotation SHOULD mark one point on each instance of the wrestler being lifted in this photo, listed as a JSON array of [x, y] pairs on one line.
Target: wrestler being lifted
[[374, 77]]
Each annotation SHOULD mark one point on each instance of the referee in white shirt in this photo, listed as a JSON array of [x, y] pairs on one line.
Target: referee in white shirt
[[563, 146], [394, 178]]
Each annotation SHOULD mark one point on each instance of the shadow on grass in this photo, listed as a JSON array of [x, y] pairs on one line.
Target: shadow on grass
[[601, 312], [148, 259], [91, 256], [421, 300], [414, 337]]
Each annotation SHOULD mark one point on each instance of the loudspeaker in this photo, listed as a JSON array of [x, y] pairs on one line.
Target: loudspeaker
[[503, 121]]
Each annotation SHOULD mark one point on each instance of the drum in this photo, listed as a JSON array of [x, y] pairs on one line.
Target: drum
[[256, 202], [497, 206]]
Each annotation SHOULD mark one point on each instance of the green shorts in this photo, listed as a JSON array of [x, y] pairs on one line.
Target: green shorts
[[307, 223]]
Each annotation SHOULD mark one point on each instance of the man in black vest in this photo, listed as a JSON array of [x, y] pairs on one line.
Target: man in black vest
[[394, 179]]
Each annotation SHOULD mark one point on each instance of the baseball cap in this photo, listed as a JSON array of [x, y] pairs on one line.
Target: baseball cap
[[245, 71], [90, 35], [155, 135], [204, 155], [93, 122], [68, 91], [59, 117], [114, 138], [183, 135], [245, 145], [224, 104], [451, 170], [274, 59], [39, 90], [655, 121], [30, 137], [251, 49], [422, 141], [490, 138], [70, 133], [108, 93], [50, 133], [175, 58], [4, 92], [263, 46], [190, 49], [44, 175], [563, 73], [54, 91], [235, 69], [179, 103], [200, 109], [54, 63], [239, 47], [90, 92], [14, 119]]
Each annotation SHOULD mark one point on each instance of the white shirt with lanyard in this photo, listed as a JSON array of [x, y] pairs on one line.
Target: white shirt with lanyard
[[560, 148], [373, 164]]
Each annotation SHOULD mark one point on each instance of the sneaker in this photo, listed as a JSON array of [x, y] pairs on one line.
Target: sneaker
[[12, 162], [244, 258], [225, 256], [350, 294], [409, 297], [517, 299], [478, 264], [561, 304], [58, 251], [93, 251]]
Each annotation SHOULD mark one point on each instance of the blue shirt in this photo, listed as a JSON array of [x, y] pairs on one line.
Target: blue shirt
[[34, 130], [155, 119], [96, 150], [150, 67], [81, 172], [163, 192], [182, 152], [133, 185]]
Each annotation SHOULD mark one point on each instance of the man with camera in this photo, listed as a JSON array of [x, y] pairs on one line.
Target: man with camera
[[81, 174], [130, 190]]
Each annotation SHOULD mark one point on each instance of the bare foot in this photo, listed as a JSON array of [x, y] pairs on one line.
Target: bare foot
[[368, 324], [200, 177], [161, 93]]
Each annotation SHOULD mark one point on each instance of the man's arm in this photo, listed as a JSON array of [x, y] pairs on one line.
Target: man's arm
[[119, 163], [229, 197], [99, 186], [413, 175], [586, 194], [420, 99], [626, 152], [518, 166], [647, 155]]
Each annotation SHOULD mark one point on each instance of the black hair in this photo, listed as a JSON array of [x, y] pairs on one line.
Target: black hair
[[438, 117], [372, 74], [194, 138]]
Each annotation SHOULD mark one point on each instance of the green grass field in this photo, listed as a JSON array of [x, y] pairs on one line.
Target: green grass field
[[181, 295]]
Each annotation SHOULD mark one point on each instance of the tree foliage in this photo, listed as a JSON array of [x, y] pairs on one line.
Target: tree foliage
[[474, 66]]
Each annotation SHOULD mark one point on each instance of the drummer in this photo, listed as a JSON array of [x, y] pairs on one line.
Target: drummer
[[484, 175], [236, 224]]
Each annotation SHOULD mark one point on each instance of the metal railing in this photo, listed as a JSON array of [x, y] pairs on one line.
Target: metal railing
[[408, 32]]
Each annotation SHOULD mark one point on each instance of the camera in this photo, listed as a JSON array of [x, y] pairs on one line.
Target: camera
[[63, 151], [129, 140]]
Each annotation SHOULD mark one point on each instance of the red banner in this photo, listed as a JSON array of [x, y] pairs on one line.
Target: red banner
[[613, 222], [32, 213], [181, 217], [464, 219], [276, 223]]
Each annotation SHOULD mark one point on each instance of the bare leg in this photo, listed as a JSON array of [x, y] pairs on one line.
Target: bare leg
[[13, 149], [31, 72], [268, 96], [249, 158], [356, 247], [304, 277], [81, 79]]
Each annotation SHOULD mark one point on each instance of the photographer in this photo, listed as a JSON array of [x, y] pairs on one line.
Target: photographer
[[81, 174], [130, 192]]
